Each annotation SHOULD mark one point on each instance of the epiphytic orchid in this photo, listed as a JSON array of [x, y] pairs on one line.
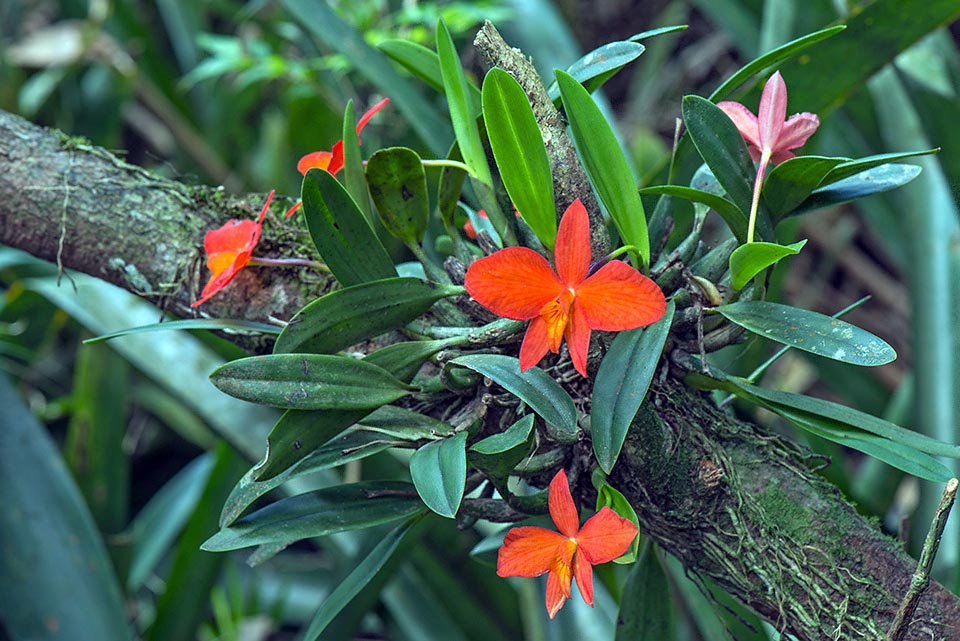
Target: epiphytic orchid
[[519, 283], [332, 160], [769, 138], [570, 553], [230, 249]]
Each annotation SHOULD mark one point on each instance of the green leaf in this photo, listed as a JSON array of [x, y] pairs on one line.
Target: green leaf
[[506, 440], [534, 387], [464, 119], [750, 259], [52, 560], [621, 385], [810, 331], [736, 220], [339, 508], [608, 496], [401, 423], [659, 31], [790, 183], [343, 237], [520, 153], [347, 316], [309, 382], [449, 188], [605, 164], [439, 472], [866, 183], [425, 64], [646, 611], [398, 185], [353, 178], [854, 167], [212, 324], [363, 574], [595, 68]]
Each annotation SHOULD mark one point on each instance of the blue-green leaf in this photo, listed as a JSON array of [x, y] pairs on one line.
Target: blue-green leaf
[[750, 259], [510, 438], [439, 472], [622, 381], [866, 183], [810, 331], [596, 67], [790, 183], [212, 324]]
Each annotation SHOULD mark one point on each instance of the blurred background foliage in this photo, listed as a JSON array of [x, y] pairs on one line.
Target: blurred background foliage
[[233, 93]]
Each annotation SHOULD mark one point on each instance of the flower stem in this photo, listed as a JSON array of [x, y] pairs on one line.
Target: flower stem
[[289, 262], [444, 162], [757, 186]]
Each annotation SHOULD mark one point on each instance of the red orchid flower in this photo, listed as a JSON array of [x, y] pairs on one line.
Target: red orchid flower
[[570, 553], [769, 138], [519, 283], [230, 249], [332, 160]]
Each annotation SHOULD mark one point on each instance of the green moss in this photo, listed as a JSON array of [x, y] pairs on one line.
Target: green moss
[[786, 515]]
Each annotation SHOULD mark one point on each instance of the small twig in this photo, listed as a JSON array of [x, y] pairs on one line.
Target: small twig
[[921, 578]]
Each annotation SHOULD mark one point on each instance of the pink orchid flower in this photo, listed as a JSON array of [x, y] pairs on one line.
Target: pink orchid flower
[[770, 136]]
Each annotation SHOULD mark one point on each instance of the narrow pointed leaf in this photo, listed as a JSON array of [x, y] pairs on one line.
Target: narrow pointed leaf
[[425, 64], [353, 178], [439, 472], [866, 183], [520, 153], [790, 183], [659, 31], [333, 509], [736, 220], [647, 612], [605, 163], [449, 189], [858, 165], [622, 381], [401, 423], [343, 237], [810, 331], [750, 259], [595, 68], [534, 387], [309, 382], [398, 186], [510, 438], [212, 324]]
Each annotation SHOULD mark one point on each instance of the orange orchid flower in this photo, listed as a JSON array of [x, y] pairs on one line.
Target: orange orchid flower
[[230, 249], [332, 160], [570, 553], [519, 283]]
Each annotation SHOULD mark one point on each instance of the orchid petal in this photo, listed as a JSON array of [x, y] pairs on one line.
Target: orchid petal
[[605, 536], [515, 282], [555, 594], [535, 344], [528, 551], [583, 573], [572, 249], [314, 160], [744, 120], [336, 158], [578, 338], [797, 130], [618, 297], [365, 118], [234, 235], [772, 112], [562, 509]]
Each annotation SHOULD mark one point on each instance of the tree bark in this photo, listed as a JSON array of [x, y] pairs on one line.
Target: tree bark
[[732, 503]]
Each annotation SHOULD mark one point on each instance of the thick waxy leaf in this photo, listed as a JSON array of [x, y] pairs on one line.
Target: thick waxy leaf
[[353, 178], [866, 183], [647, 610], [309, 382], [622, 381], [319, 513], [598, 66], [659, 31], [404, 424], [854, 167], [343, 237], [750, 259], [789, 183], [212, 324], [534, 387], [736, 220], [520, 153], [605, 163], [439, 471], [510, 438], [425, 64], [810, 331], [398, 185], [608, 496], [347, 316]]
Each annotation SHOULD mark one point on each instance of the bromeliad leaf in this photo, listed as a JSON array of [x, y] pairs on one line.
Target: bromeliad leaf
[[750, 259], [506, 440], [398, 186], [622, 381], [309, 382], [342, 235], [534, 387], [347, 316], [791, 182], [439, 472], [519, 150], [810, 331]]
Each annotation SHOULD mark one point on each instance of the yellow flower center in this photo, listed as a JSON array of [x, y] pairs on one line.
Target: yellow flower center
[[556, 313]]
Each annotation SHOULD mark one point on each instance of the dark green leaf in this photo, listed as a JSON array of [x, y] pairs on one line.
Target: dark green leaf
[[518, 148], [647, 612], [343, 236], [605, 164], [534, 387], [332, 509], [439, 471], [398, 185], [736, 220], [810, 331], [598, 66], [854, 167], [622, 381], [789, 183], [401, 423], [510, 438], [353, 178], [750, 259], [212, 324], [347, 316], [869, 182], [449, 189], [309, 382], [425, 64]]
